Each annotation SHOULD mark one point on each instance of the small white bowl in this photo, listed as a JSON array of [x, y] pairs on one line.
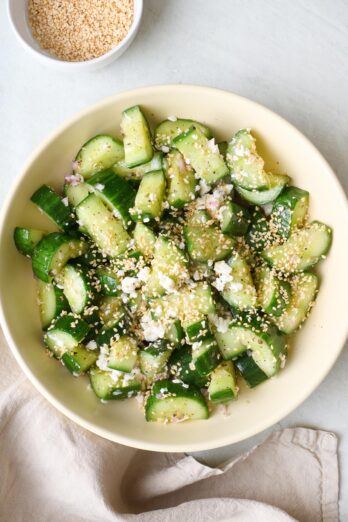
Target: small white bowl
[[18, 15]]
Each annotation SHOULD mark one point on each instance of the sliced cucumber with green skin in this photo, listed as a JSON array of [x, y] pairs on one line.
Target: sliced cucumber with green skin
[[137, 138], [168, 268], [168, 130], [102, 226], [123, 354], [154, 357], [205, 356], [277, 182], [107, 387], [223, 384], [52, 302], [149, 198], [77, 287], [223, 146], [304, 288], [247, 167], [234, 219], [290, 210], [240, 292], [173, 402], [265, 342], [136, 173], [259, 235], [79, 360], [249, 370], [116, 192], [304, 248], [109, 282], [53, 252], [175, 334], [52, 205], [66, 334], [113, 317], [145, 240], [98, 153], [181, 180], [205, 158], [198, 331], [204, 241], [76, 192], [181, 366], [273, 294], [26, 239]]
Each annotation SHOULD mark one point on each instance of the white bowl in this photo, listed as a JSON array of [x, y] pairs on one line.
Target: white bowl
[[315, 347], [18, 15]]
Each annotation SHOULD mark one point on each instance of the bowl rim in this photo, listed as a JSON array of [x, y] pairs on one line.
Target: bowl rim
[[52, 60], [222, 440]]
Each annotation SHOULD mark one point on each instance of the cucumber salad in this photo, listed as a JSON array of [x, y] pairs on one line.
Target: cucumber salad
[[178, 269]]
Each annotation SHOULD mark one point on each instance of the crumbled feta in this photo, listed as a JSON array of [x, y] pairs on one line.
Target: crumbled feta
[[220, 323], [152, 329], [65, 201], [166, 282], [91, 345], [223, 270], [172, 118], [203, 187], [99, 187], [144, 273], [165, 149], [212, 145], [129, 285]]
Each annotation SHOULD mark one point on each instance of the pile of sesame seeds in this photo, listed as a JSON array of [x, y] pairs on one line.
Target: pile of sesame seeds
[[80, 30]]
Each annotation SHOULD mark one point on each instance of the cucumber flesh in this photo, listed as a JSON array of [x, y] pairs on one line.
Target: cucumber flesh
[[145, 240], [304, 248], [238, 287], [223, 384], [168, 130], [52, 302], [98, 153], [181, 180], [136, 173], [137, 139], [26, 239], [273, 294], [76, 192], [304, 288], [102, 226], [76, 287], [149, 198], [173, 402], [276, 182], [205, 356], [123, 354], [203, 155], [111, 385], [79, 360], [290, 211], [66, 334]]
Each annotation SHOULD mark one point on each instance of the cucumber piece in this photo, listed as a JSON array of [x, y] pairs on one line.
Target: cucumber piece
[[168, 130], [249, 370], [109, 282], [77, 287], [52, 302], [259, 234], [239, 292], [204, 241], [137, 138], [123, 354], [181, 180], [113, 317], [102, 226], [202, 155], [173, 402], [273, 294], [110, 385], [52, 205], [223, 384], [168, 268], [175, 334], [277, 182], [223, 146], [247, 167], [116, 192], [98, 153], [150, 195], [66, 334], [264, 341], [198, 331], [182, 367], [234, 219], [145, 240], [79, 360], [154, 357], [290, 211], [136, 173], [304, 288], [53, 252], [205, 356], [26, 239], [76, 192], [304, 248]]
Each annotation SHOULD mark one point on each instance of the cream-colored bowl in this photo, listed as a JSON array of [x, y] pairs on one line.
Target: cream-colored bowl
[[315, 347]]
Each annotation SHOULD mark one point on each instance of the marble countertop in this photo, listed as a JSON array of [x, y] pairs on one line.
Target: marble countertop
[[290, 56]]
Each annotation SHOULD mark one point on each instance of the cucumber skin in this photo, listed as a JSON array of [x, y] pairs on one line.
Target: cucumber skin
[[284, 206], [249, 370], [79, 158], [78, 362], [52, 204], [109, 284], [24, 240], [179, 364], [238, 225], [66, 322], [148, 155], [61, 304], [114, 392]]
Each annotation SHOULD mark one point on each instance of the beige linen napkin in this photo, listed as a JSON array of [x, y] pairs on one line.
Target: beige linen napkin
[[53, 470]]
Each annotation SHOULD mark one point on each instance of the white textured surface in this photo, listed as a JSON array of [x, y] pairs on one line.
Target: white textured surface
[[290, 56]]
